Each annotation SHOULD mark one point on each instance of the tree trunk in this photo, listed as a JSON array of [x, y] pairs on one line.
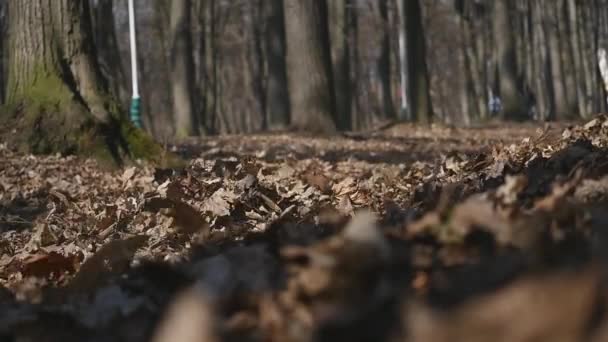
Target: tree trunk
[[3, 36], [340, 17], [403, 110], [56, 96], [253, 14], [418, 78], [508, 86], [107, 49], [575, 50], [309, 68], [383, 65], [277, 96], [559, 101], [182, 70]]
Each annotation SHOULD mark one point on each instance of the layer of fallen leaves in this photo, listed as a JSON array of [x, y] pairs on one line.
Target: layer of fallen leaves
[[444, 234]]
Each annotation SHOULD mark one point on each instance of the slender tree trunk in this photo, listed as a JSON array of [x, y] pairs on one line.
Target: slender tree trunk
[[540, 63], [467, 90], [383, 65], [255, 63], [586, 72], [575, 51], [182, 70], [418, 77], [277, 95], [56, 94], [565, 57], [560, 104], [212, 82], [340, 15], [478, 56], [357, 80], [508, 86], [309, 66], [3, 36]]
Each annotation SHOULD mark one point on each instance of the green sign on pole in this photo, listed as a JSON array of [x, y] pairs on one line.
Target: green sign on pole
[[135, 99]]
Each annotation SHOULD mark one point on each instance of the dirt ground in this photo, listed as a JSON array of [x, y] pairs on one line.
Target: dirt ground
[[405, 233]]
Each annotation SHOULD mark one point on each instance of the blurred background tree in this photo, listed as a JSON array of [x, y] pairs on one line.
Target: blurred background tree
[[240, 66]]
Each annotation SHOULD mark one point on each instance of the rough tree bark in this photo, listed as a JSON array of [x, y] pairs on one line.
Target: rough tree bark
[[418, 77], [277, 96], [309, 68], [182, 70], [107, 49], [57, 100], [508, 87]]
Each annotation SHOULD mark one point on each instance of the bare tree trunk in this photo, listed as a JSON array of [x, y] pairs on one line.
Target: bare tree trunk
[[255, 62], [508, 86], [182, 70], [3, 36], [559, 100], [383, 65], [212, 80], [56, 99], [575, 50], [340, 17], [277, 95], [309, 66], [540, 62], [107, 49], [586, 73], [418, 77], [566, 62], [467, 96]]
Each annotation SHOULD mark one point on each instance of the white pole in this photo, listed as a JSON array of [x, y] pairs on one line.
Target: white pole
[[135, 101], [402, 59], [133, 43]]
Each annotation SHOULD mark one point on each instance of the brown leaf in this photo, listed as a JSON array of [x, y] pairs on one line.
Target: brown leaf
[[112, 258], [48, 265], [187, 219], [220, 203], [318, 180]]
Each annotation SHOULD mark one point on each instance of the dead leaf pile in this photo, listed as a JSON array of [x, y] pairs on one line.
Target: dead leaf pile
[[407, 234]]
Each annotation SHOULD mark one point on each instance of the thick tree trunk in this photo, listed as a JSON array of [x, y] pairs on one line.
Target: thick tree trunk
[[508, 86], [182, 70], [277, 96], [107, 49], [56, 99], [309, 69], [418, 78]]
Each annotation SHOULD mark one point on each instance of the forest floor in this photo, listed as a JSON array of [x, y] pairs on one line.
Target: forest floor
[[402, 234]]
